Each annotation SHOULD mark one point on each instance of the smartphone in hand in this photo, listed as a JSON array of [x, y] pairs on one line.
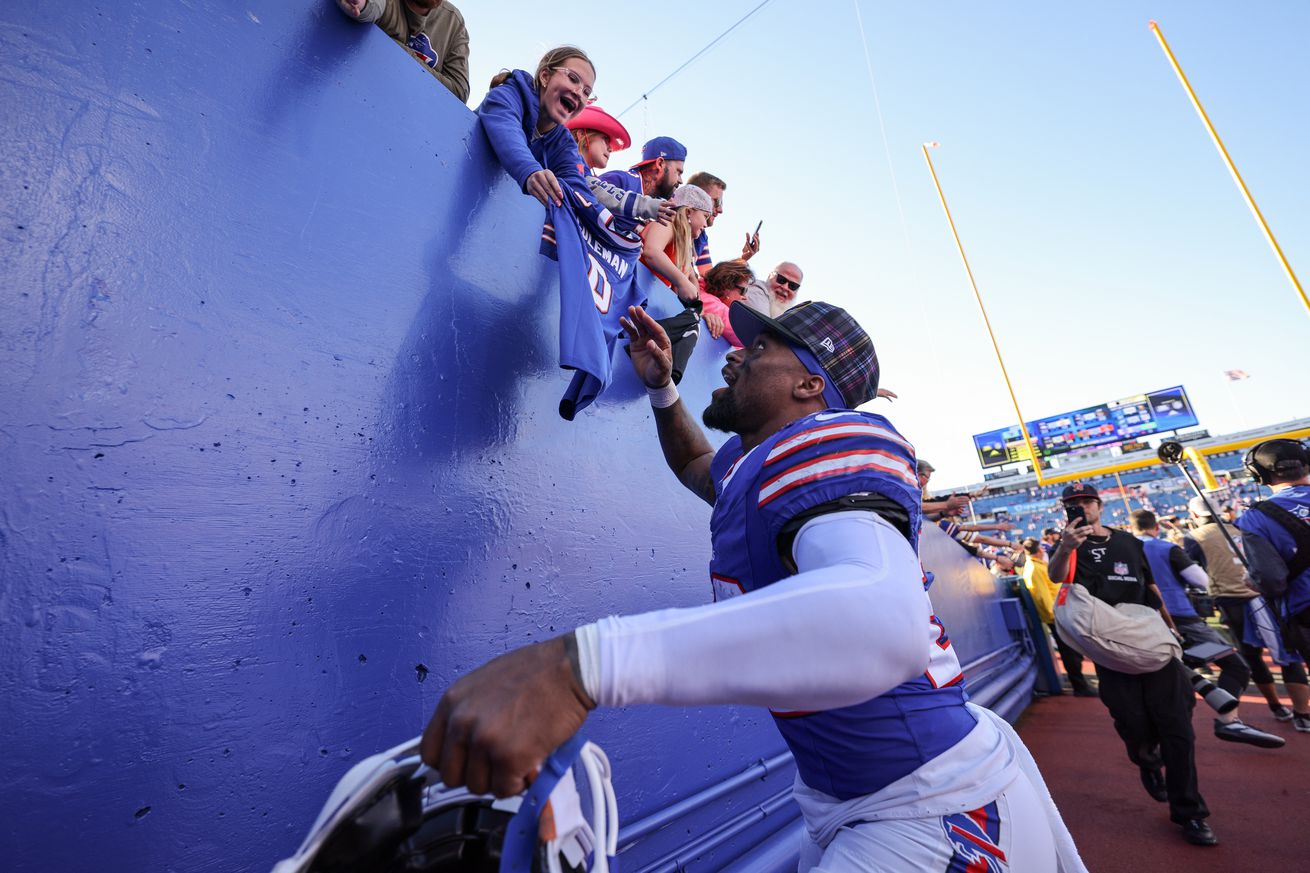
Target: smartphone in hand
[[1076, 515]]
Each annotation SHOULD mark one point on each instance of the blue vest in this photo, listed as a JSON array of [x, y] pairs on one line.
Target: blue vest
[[855, 750], [1172, 589]]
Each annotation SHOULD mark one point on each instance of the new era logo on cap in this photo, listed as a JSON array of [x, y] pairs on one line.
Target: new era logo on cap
[[662, 147], [839, 345]]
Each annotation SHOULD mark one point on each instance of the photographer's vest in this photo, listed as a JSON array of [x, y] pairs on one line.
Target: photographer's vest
[[1227, 575], [1172, 589]]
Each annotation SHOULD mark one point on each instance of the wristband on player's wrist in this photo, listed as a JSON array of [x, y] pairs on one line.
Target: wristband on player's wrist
[[663, 398]]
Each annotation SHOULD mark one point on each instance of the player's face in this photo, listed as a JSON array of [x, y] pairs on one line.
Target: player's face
[[759, 378], [716, 194], [567, 90]]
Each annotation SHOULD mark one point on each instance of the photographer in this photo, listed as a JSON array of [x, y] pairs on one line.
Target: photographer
[[1152, 711], [1276, 539], [1174, 573], [1237, 602]]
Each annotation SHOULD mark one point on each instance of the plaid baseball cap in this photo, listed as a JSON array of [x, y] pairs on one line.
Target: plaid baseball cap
[[836, 341], [1079, 489], [662, 147]]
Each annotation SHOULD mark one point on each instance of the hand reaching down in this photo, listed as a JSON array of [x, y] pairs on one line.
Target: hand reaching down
[[545, 187]]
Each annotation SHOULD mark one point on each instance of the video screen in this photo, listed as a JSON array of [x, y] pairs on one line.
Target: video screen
[[1105, 424]]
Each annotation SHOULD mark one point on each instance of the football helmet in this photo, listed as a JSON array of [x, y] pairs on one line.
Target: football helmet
[[390, 813]]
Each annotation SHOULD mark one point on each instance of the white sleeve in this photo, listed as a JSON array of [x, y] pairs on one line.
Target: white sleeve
[[1196, 577], [853, 623]]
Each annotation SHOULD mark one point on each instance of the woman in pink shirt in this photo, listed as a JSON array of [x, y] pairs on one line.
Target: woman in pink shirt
[[725, 282]]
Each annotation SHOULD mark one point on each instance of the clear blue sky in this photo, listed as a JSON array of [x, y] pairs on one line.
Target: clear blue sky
[[1112, 247]]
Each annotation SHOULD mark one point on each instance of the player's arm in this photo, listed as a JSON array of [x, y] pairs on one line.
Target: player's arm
[[852, 624], [686, 450]]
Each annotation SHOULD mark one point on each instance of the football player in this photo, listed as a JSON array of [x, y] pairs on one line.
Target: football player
[[822, 616]]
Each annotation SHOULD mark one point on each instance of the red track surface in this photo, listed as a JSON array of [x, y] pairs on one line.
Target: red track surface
[[1258, 798]]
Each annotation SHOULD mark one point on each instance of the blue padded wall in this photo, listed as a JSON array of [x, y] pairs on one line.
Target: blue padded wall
[[279, 440], [279, 450]]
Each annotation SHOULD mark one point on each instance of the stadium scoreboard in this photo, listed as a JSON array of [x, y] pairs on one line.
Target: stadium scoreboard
[[1131, 418]]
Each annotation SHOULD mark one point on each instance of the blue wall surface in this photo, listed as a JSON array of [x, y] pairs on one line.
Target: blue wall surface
[[279, 450]]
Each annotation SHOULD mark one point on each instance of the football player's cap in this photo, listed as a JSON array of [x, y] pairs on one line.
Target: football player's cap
[[840, 346]]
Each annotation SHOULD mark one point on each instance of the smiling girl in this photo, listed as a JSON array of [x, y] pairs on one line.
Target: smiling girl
[[524, 116]]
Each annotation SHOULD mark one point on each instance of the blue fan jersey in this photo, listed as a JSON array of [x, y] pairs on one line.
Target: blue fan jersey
[[702, 244], [597, 284], [860, 749]]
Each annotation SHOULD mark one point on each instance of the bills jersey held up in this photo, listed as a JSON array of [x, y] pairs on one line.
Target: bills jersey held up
[[811, 462], [597, 284]]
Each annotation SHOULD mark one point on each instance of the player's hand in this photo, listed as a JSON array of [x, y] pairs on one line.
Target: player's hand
[[714, 323], [1003, 525], [494, 726], [545, 187], [353, 8], [955, 503], [666, 213], [751, 248], [886, 394], [651, 351]]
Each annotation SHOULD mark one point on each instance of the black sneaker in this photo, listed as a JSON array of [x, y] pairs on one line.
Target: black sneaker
[[1153, 782], [1198, 833], [1237, 732], [1301, 722], [1281, 713], [1082, 689]]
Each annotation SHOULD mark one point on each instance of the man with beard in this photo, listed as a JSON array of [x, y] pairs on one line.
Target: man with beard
[[821, 615], [657, 174]]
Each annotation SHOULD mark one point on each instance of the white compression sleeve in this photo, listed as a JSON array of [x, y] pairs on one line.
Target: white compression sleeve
[[850, 625], [1196, 577]]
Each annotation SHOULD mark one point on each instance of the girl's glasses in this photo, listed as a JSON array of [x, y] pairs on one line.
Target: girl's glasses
[[576, 81]]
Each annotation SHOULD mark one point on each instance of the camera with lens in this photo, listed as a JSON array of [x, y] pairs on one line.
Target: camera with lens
[[1198, 656], [1215, 697]]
